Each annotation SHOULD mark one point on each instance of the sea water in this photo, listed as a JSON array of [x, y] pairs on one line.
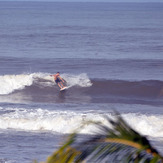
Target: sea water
[[110, 54]]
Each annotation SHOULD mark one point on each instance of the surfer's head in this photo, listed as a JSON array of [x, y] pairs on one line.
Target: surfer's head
[[58, 72]]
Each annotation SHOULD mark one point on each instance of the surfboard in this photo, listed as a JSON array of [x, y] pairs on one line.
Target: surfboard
[[62, 89]]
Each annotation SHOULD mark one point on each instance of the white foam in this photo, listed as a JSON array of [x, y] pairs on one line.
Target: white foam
[[81, 80], [10, 83], [151, 125], [67, 121]]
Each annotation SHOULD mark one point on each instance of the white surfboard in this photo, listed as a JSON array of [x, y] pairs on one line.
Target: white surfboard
[[62, 89]]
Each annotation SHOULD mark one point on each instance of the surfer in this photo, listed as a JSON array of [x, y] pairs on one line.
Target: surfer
[[58, 80]]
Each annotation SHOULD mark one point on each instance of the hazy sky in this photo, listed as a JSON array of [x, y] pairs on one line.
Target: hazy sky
[[93, 0]]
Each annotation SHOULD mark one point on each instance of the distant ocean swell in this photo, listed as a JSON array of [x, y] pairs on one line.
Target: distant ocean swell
[[41, 84], [62, 122]]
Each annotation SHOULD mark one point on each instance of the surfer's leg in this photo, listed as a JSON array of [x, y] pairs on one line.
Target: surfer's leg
[[59, 85], [62, 84]]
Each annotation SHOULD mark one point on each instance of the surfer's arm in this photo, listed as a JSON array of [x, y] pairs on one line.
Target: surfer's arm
[[53, 75]]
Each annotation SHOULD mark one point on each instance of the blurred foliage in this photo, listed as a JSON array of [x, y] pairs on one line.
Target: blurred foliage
[[116, 142]]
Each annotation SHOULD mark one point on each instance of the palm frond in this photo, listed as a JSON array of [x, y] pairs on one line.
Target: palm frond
[[66, 154], [118, 143]]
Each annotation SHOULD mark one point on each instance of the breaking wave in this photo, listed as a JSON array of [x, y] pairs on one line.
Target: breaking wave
[[40, 87], [63, 122], [11, 83]]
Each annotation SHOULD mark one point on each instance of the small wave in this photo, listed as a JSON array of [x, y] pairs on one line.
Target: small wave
[[63, 122], [11, 83], [40, 87]]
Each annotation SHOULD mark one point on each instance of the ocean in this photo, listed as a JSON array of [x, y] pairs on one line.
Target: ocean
[[110, 54]]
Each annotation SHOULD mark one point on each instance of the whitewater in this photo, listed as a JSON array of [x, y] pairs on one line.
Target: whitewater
[[68, 121]]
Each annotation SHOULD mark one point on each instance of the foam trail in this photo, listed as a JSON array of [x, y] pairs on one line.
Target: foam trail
[[67, 121]]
